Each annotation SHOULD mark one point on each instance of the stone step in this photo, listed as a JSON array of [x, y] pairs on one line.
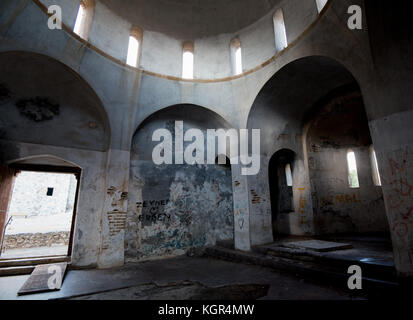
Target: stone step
[[376, 269], [330, 275], [16, 271], [229, 244]]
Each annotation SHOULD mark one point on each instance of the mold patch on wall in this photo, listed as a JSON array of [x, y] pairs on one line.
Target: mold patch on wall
[[38, 108]]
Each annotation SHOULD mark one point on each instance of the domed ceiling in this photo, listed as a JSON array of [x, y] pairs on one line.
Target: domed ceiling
[[191, 19]]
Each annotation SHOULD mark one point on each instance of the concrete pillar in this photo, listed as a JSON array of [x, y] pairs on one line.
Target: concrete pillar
[[302, 222], [114, 213], [260, 206], [393, 141], [242, 239]]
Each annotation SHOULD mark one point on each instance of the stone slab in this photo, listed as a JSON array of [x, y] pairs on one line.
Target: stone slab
[[318, 245], [40, 277]]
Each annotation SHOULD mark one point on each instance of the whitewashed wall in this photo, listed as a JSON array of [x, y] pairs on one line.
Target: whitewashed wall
[[30, 194]]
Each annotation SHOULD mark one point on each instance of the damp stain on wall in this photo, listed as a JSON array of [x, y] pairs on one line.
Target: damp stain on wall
[[38, 109], [193, 208]]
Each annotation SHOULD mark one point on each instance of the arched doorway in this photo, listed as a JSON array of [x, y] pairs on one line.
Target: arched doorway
[[51, 115], [280, 173]]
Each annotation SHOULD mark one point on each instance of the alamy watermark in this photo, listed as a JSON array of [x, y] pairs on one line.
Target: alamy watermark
[[355, 21], [55, 20], [171, 150], [54, 282], [355, 280]]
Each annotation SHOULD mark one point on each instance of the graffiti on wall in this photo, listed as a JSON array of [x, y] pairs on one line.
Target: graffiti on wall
[[302, 201], [153, 211], [339, 199], [189, 210], [117, 216], [399, 188]]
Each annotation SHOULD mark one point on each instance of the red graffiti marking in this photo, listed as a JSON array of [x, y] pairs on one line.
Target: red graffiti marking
[[400, 167], [401, 229], [403, 189], [406, 216], [394, 204], [400, 187]]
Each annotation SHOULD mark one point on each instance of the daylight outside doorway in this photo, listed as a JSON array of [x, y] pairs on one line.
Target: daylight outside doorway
[[41, 213]]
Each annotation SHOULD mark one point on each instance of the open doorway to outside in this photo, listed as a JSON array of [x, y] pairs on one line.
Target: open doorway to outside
[[41, 212]]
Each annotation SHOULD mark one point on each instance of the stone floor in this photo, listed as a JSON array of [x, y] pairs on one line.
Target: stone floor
[[375, 248], [180, 278]]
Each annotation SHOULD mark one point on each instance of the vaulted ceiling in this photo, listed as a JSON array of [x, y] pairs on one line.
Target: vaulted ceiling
[[191, 19]]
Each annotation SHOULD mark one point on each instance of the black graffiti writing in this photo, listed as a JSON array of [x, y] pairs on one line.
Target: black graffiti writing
[[152, 203], [155, 217]]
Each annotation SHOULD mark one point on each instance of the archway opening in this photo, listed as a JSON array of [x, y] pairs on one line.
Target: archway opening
[[177, 207], [314, 106], [44, 122], [280, 172], [346, 199]]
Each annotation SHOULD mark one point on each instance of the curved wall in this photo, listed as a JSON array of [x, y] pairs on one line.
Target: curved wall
[[48, 112], [162, 53]]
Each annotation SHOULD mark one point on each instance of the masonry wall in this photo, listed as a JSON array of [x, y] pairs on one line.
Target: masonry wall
[[341, 126]]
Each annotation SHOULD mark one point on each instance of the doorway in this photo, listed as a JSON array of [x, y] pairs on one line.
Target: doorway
[[280, 173], [40, 215]]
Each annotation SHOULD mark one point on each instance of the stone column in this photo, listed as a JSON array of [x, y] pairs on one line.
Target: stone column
[[260, 206], [393, 141], [242, 239]]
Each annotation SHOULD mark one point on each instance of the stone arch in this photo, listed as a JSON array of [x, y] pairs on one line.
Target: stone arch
[[189, 206], [338, 124], [281, 110], [48, 109], [40, 110], [44, 159]]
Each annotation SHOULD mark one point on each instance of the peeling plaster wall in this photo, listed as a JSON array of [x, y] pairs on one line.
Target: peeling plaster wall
[[187, 206], [176, 207]]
